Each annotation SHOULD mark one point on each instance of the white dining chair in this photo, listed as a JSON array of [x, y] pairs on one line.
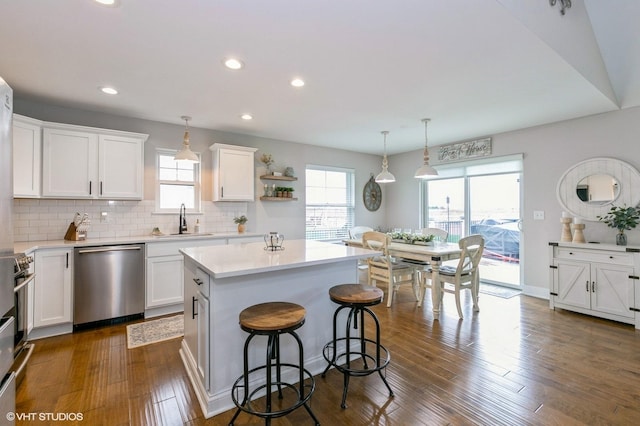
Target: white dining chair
[[439, 234], [463, 276], [356, 232], [385, 269]]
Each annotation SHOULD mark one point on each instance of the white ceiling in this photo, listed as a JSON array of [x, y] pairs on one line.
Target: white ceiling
[[475, 67]]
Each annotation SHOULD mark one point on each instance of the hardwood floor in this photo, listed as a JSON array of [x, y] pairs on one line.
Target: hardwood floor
[[514, 363]]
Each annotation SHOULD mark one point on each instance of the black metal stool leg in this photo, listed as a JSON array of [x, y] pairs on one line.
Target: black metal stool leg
[[245, 378], [335, 342], [377, 323]]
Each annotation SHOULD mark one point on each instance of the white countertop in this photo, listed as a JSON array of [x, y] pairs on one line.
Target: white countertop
[[29, 246], [252, 258]]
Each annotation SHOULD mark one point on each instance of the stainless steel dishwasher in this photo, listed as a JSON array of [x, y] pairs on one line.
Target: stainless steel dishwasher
[[108, 284]]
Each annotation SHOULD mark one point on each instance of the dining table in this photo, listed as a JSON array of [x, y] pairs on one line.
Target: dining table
[[433, 253]]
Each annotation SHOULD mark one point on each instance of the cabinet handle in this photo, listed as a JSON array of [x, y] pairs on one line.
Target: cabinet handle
[[193, 307], [100, 187], [587, 283], [197, 281], [222, 192], [571, 253], [67, 261], [89, 187], [593, 286], [610, 257]]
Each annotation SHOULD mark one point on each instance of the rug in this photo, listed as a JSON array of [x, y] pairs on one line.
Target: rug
[[148, 332], [499, 291]]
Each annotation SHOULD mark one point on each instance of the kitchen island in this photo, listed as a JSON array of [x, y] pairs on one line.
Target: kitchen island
[[221, 281]]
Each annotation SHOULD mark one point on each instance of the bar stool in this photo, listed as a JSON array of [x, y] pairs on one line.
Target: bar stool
[[357, 298], [272, 320]]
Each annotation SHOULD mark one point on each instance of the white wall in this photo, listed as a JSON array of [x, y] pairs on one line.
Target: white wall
[[548, 152]]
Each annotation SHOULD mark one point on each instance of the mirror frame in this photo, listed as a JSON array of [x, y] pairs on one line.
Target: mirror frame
[[627, 176]]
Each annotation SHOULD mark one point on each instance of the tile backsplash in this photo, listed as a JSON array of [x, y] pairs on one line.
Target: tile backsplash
[[44, 220]]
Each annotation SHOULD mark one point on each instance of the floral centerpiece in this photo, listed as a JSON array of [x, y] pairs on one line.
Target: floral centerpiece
[[621, 218], [407, 238]]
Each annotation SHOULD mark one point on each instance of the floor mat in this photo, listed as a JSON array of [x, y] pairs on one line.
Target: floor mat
[[148, 332], [499, 291]]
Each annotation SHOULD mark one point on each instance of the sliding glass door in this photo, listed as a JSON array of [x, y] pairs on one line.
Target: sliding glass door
[[480, 198]]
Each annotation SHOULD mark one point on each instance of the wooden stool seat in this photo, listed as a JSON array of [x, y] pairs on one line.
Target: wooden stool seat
[[355, 294], [272, 316]]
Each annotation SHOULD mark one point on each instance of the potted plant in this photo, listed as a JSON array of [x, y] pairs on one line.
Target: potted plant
[[290, 192], [267, 160], [621, 218], [279, 191], [240, 220]]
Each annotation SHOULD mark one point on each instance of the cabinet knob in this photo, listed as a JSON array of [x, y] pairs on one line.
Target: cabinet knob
[[197, 281]]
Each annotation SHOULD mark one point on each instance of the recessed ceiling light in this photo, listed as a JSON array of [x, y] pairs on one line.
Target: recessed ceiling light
[[109, 90], [108, 2], [233, 63], [297, 82], [246, 117]]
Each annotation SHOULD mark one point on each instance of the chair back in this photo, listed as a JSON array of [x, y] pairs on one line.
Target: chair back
[[439, 234], [375, 240], [356, 232], [472, 248]]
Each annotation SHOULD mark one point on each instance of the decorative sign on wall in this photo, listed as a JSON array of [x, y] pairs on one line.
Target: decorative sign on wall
[[463, 150]]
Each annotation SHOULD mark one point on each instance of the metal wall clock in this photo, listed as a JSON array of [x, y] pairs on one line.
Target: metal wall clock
[[372, 195]]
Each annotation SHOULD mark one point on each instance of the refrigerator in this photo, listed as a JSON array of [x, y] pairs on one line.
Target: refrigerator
[[7, 322]]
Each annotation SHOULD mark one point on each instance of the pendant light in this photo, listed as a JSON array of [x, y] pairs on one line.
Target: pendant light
[[385, 176], [185, 154], [425, 171]]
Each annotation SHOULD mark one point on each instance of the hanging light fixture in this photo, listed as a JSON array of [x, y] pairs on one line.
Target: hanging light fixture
[[385, 176], [185, 154], [425, 171]]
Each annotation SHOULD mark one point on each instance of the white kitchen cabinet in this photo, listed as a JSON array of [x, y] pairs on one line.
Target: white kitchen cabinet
[[84, 162], [27, 161], [165, 277], [52, 288], [233, 172], [196, 320], [595, 280]]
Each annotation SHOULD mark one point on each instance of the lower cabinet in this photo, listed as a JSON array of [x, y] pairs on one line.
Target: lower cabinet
[[164, 279], [196, 319], [52, 288], [597, 282]]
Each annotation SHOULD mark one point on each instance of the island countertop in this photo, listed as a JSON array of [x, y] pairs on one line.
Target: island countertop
[[252, 258]]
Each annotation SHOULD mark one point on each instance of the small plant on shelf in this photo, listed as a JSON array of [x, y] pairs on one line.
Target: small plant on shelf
[[267, 160]]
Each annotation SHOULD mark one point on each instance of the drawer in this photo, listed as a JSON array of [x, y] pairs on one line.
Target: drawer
[[170, 248], [601, 256], [7, 327], [202, 279]]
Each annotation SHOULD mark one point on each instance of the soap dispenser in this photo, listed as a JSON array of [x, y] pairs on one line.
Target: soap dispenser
[[196, 227]]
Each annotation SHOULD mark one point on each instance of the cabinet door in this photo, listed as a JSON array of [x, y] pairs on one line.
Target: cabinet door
[[52, 292], [574, 283], [120, 167], [164, 281], [69, 164], [612, 289], [203, 339], [27, 137], [233, 175], [190, 309]]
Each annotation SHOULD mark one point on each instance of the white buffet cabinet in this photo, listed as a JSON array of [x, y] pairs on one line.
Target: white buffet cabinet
[[596, 279]]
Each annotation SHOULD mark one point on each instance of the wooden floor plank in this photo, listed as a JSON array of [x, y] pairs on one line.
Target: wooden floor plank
[[516, 362]]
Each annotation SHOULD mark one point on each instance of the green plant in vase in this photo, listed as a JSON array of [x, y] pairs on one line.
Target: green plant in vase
[[240, 220], [621, 218]]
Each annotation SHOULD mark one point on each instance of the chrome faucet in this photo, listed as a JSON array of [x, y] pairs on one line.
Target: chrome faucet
[[182, 225]]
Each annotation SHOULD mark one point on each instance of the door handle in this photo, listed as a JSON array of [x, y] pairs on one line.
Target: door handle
[[193, 307], [101, 250]]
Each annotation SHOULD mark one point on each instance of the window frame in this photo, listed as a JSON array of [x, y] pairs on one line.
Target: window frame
[[349, 204], [196, 183]]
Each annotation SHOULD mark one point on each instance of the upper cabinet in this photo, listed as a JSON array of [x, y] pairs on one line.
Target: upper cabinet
[[27, 137], [84, 162], [233, 172]]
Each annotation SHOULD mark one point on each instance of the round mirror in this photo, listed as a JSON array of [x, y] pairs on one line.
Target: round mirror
[[598, 189], [590, 187]]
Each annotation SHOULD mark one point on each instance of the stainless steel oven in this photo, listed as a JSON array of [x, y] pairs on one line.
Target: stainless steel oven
[[23, 283]]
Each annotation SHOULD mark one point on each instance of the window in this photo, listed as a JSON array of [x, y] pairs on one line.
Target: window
[[178, 182], [330, 204]]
